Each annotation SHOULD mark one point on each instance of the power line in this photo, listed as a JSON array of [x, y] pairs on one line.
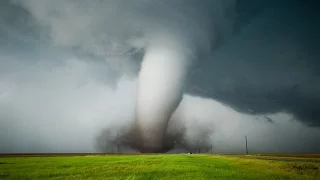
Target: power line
[[246, 145]]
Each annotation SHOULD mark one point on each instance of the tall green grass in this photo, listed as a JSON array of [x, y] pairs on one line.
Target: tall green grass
[[154, 167]]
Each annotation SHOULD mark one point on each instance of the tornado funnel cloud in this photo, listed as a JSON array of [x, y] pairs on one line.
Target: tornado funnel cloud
[[160, 85]]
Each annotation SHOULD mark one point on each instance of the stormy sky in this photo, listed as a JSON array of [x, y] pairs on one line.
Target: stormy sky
[[68, 73]]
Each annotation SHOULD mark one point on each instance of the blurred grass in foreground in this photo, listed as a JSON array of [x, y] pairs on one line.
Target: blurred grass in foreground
[[164, 166]]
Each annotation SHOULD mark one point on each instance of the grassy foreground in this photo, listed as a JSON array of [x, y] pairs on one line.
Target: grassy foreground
[[179, 166]]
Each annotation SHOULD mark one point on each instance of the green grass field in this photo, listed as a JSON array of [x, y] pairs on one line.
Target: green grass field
[[179, 166]]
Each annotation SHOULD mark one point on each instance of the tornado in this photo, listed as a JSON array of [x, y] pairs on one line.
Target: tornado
[[170, 50], [160, 85]]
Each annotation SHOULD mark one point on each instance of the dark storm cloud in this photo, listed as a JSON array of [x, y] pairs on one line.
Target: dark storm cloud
[[271, 65], [55, 96]]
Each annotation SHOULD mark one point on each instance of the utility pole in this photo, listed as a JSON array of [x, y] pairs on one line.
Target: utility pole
[[246, 145], [211, 148]]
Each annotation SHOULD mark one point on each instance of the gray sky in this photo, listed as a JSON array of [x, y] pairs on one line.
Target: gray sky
[[61, 84]]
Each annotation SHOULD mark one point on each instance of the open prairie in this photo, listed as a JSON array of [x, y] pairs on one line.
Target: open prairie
[[155, 166]]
